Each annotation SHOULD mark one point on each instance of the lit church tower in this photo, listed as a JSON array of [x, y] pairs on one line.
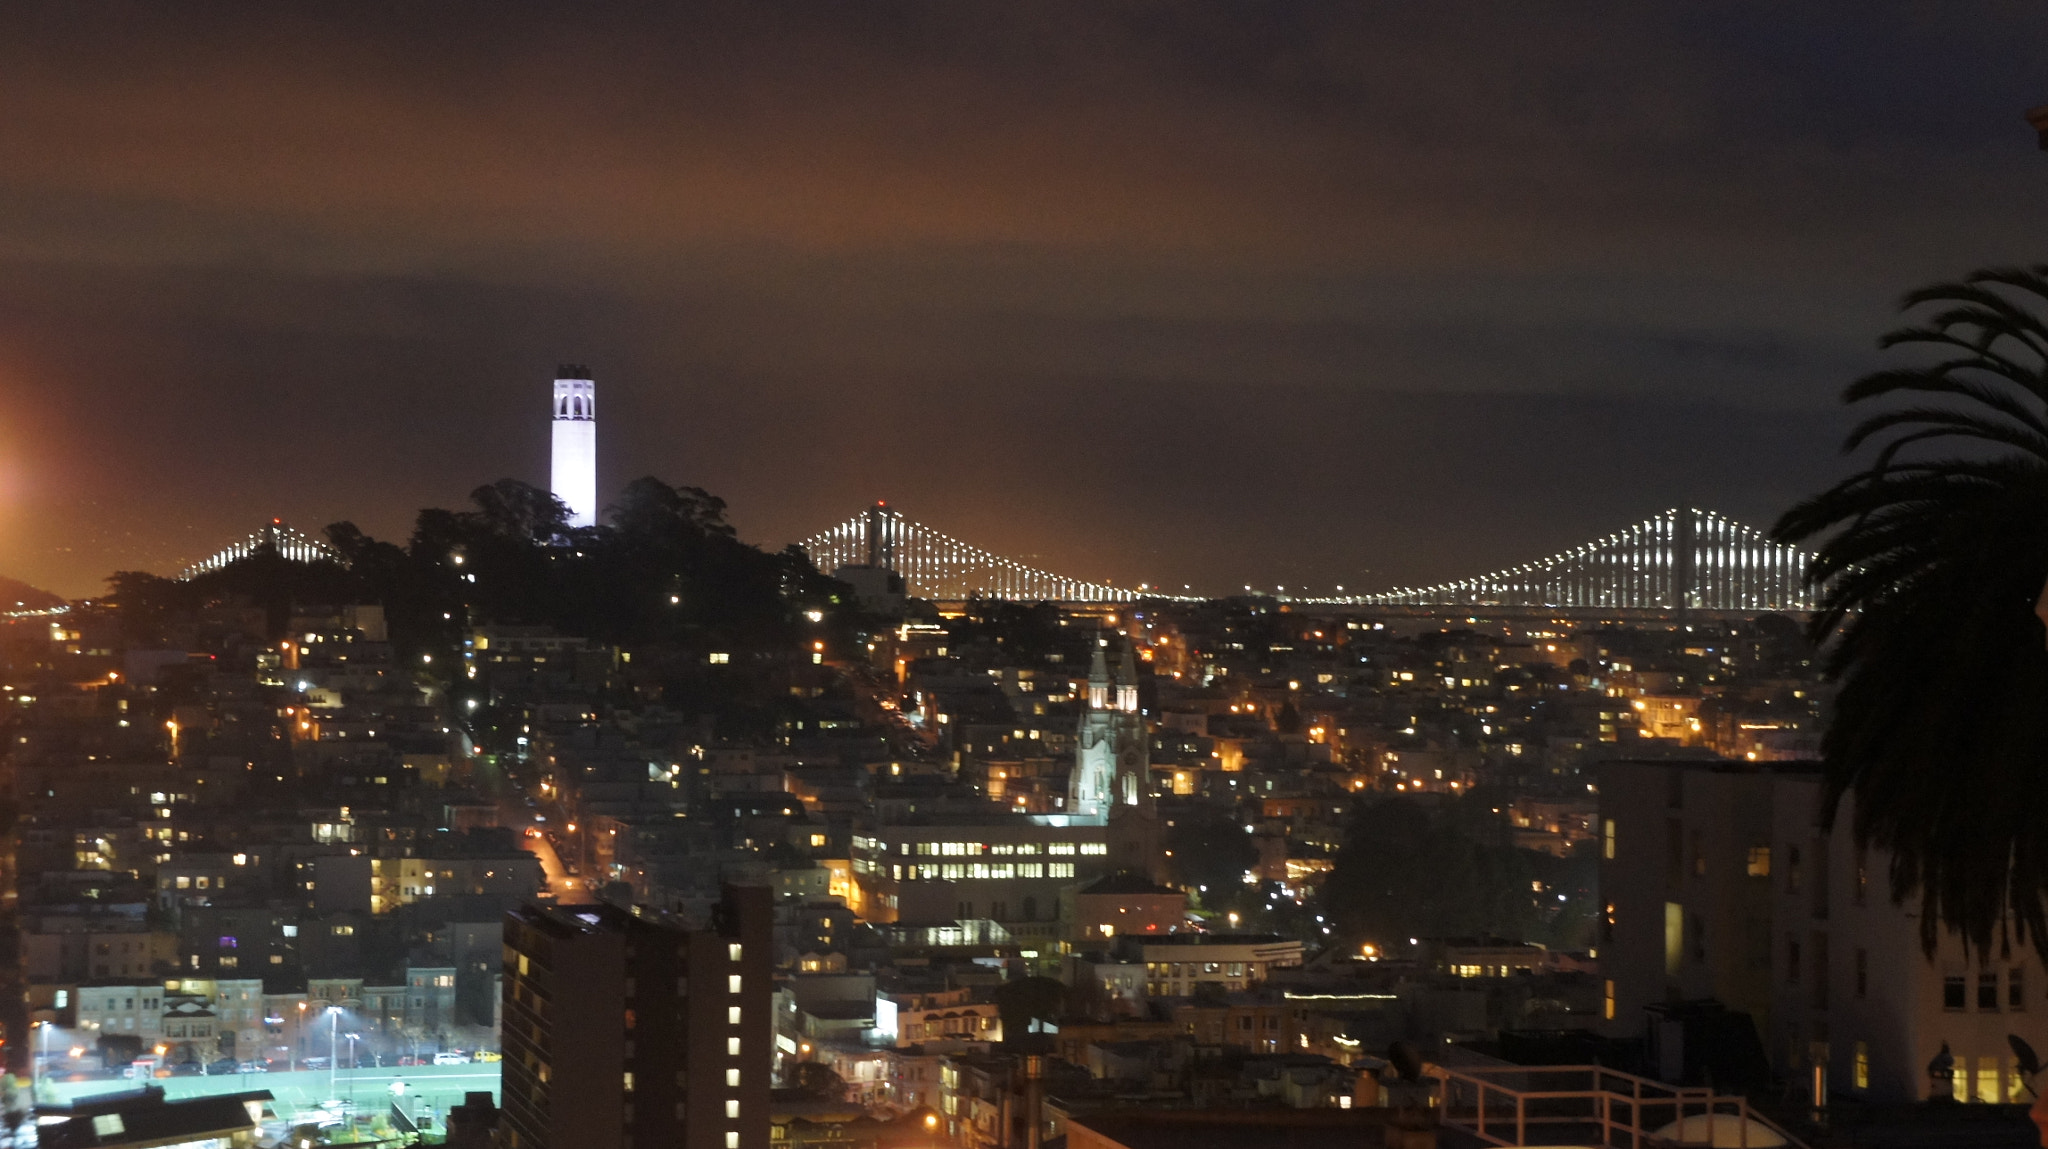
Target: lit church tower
[[1111, 784], [574, 480]]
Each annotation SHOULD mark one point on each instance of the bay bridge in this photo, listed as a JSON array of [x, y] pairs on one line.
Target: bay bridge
[[273, 536], [936, 565], [1681, 559]]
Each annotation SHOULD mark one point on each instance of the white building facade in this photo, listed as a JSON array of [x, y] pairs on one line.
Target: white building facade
[[1720, 883], [574, 475]]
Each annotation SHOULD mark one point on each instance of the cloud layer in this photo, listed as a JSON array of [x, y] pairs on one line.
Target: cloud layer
[[1209, 294]]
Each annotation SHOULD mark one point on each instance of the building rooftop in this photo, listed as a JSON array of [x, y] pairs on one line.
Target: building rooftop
[[142, 1117], [1128, 882], [1267, 1128]]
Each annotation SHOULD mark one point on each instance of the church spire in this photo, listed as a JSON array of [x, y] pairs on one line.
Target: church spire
[[1127, 681], [1098, 678]]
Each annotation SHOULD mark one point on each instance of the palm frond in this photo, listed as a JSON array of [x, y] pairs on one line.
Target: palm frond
[[1927, 571]]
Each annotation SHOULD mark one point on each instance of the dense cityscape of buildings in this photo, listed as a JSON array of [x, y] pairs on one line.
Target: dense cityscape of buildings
[[224, 839], [977, 873]]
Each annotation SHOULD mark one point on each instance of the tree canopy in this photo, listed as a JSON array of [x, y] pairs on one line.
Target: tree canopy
[[665, 569], [1430, 868]]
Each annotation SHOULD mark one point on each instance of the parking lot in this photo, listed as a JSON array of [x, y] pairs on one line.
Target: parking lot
[[429, 1089]]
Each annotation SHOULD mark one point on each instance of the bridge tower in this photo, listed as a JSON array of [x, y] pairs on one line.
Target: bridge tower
[[881, 537], [1686, 541], [574, 475]]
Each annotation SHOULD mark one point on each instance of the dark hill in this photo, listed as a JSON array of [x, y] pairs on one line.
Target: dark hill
[[21, 596]]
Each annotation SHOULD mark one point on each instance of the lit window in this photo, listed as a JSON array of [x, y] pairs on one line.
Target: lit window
[[732, 1109], [732, 1079], [720, 658], [733, 951], [732, 1015], [732, 1047], [1759, 862], [627, 1083], [732, 984], [732, 1139]]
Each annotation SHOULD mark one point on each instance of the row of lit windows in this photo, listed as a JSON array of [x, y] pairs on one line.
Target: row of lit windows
[[964, 871], [977, 849], [1190, 968]]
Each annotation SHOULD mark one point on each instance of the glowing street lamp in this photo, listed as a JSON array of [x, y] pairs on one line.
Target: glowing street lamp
[[36, 1053], [333, 1047]]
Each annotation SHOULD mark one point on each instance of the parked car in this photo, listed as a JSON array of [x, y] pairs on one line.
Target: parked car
[[187, 1069], [253, 1067], [457, 1058], [488, 1055], [224, 1065]]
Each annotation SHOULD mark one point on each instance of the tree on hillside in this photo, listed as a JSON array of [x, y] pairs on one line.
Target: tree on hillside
[[1430, 868], [1021, 1002], [1930, 563], [1209, 850]]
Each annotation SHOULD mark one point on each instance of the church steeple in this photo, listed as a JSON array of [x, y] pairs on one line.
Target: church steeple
[[1098, 678], [1127, 681]]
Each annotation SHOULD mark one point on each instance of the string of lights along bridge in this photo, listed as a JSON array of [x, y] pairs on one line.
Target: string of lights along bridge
[[275, 537], [936, 565], [1680, 559]]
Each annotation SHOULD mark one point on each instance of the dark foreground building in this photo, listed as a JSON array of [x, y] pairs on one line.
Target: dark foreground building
[[632, 1028]]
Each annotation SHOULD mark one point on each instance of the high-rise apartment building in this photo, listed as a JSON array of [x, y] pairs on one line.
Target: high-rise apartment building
[[1722, 884], [574, 475], [633, 1029]]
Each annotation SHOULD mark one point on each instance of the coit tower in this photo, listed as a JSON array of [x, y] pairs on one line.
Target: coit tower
[[574, 479]]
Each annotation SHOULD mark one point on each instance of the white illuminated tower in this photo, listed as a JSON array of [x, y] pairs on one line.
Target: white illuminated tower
[[574, 480]]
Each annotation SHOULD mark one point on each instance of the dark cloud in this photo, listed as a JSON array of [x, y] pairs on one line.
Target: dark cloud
[[1203, 293]]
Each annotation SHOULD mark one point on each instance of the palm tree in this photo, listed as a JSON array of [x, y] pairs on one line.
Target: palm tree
[[1929, 566]]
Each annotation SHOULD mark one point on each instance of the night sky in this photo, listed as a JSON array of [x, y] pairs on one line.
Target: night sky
[[1189, 293]]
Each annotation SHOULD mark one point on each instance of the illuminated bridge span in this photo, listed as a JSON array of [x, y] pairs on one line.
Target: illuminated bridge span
[[273, 536], [936, 565], [1690, 559]]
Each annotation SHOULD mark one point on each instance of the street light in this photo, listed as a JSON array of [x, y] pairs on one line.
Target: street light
[[333, 1048], [35, 1059], [352, 1038]]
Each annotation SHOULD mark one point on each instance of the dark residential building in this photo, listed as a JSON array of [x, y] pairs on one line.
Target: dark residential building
[[632, 1028]]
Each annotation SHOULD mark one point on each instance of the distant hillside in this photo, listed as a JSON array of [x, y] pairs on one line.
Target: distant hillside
[[21, 596]]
